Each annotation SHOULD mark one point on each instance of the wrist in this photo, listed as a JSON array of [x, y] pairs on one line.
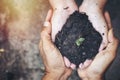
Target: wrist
[[51, 76], [64, 77], [92, 78], [96, 78]]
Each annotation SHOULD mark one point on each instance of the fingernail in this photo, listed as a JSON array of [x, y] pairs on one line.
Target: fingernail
[[46, 24], [102, 46], [73, 66], [80, 66], [87, 63], [67, 62]]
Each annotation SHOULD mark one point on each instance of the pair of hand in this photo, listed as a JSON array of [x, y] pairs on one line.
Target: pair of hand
[[62, 9], [54, 62]]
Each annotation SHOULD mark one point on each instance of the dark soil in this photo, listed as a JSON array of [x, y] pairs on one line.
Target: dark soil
[[78, 40]]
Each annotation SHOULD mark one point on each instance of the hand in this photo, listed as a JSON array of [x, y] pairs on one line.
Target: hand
[[95, 15], [94, 10], [61, 11], [52, 58], [102, 60]]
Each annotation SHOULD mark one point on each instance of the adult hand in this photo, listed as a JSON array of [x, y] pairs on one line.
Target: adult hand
[[52, 58], [61, 11], [102, 60], [94, 9]]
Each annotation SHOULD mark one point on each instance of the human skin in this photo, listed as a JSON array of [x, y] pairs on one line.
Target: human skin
[[103, 59], [63, 8], [98, 66], [55, 67], [61, 11], [52, 58], [95, 9]]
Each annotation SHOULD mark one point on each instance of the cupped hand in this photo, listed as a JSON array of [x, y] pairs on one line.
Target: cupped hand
[[97, 67], [62, 9], [95, 9], [52, 58]]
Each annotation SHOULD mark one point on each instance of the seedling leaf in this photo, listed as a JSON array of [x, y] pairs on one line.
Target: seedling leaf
[[79, 41]]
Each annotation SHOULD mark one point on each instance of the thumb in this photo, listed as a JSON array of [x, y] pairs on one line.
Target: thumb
[[47, 23], [46, 30], [113, 42]]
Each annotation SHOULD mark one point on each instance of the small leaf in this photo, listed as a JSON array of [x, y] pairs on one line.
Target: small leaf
[[79, 41]]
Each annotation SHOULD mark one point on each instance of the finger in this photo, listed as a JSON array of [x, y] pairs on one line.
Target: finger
[[73, 66], [108, 20], [67, 62], [46, 24], [47, 44], [102, 46], [81, 66], [104, 42], [48, 19], [46, 31], [111, 37], [49, 15], [87, 63], [113, 42]]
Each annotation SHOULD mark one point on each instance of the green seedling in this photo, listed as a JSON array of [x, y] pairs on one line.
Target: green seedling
[[79, 41]]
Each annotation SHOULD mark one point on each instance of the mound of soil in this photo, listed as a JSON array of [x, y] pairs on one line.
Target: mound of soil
[[78, 40]]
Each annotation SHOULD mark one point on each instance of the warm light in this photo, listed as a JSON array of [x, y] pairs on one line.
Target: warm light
[[21, 5], [20, 12], [2, 50], [18, 16]]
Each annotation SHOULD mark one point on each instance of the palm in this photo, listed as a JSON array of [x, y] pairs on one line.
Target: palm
[[102, 60]]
